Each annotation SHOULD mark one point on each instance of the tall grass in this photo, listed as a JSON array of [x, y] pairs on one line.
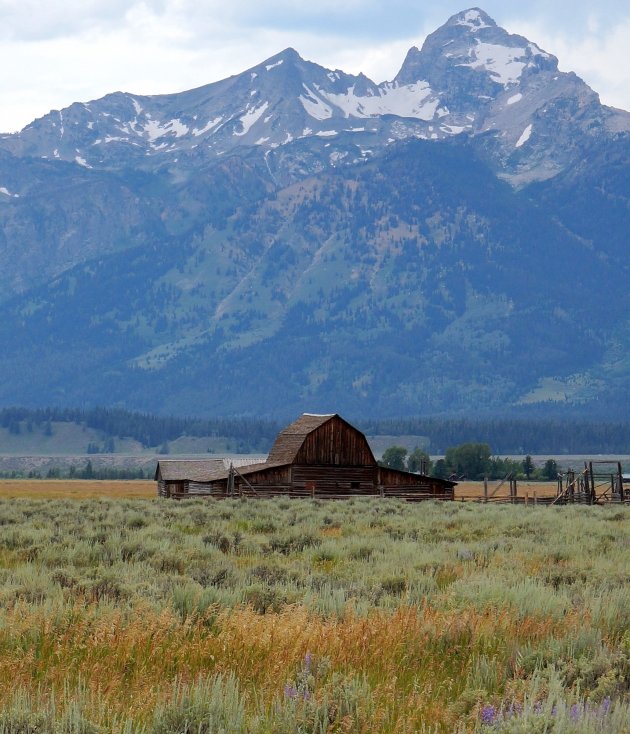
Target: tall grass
[[279, 616]]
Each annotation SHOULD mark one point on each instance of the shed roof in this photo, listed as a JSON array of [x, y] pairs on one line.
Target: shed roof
[[290, 440], [194, 470], [444, 482]]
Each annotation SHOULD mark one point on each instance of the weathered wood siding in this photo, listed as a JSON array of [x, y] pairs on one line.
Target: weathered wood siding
[[169, 489], [393, 482], [266, 482], [335, 443], [323, 480]]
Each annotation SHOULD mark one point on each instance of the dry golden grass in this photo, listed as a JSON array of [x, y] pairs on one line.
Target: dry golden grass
[[415, 659], [475, 489], [146, 489], [418, 616], [76, 489]]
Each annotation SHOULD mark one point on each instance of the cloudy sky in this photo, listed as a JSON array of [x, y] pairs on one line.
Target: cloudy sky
[[55, 52]]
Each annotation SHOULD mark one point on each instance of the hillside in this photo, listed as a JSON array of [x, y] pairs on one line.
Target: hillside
[[296, 238]]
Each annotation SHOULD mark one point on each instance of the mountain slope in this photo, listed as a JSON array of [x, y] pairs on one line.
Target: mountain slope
[[405, 281], [299, 238]]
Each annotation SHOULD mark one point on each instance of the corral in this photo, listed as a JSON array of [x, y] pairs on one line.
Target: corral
[[316, 456]]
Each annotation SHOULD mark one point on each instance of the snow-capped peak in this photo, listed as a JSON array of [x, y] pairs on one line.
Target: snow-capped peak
[[470, 77], [475, 19], [471, 39]]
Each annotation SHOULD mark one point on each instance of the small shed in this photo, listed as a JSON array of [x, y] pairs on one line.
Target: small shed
[[315, 456], [186, 476]]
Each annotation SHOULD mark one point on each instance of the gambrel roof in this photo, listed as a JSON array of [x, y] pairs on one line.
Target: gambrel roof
[[290, 440]]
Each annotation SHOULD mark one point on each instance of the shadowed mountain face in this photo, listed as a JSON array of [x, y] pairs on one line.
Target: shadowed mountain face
[[299, 237]]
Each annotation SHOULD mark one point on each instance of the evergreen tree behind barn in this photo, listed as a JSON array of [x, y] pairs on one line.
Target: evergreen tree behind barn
[[316, 456]]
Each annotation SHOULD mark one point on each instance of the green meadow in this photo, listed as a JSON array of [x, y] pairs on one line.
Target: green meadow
[[278, 616]]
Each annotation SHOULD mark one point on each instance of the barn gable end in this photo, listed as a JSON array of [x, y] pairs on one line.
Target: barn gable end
[[335, 443]]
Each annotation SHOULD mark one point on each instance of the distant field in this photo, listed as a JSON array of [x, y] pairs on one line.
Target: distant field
[[75, 489], [145, 489]]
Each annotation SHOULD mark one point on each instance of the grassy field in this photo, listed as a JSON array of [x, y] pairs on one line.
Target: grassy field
[[272, 617], [92, 489], [75, 489]]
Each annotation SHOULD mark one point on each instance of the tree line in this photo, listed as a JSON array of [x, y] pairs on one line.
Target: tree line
[[251, 434], [505, 435], [86, 471], [473, 461], [510, 435]]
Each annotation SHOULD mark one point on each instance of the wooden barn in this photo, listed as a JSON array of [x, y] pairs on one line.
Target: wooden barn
[[316, 456]]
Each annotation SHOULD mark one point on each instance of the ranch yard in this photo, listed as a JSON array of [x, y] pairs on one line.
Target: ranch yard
[[126, 614]]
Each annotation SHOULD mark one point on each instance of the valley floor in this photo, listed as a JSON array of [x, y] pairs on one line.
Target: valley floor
[[145, 489]]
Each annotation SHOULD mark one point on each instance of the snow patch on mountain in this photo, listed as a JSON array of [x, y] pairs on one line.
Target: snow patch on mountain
[[207, 127], [504, 63], [155, 130], [314, 105], [515, 98], [269, 67], [454, 129], [251, 117], [473, 19], [413, 100], [527, 133]]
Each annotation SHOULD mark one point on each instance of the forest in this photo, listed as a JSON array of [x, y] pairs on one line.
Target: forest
[[506, 435]]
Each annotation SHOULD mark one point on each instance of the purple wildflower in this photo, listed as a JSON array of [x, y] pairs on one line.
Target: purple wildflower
[[605, 706], [538, 707], [290, 691], [575, 712], [488, 714]]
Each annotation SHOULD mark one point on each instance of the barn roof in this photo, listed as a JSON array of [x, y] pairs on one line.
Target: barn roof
[[290, 440], [205, 470], [194, 470]]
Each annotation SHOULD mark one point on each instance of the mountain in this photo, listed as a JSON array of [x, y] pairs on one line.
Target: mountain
[[296, 237]]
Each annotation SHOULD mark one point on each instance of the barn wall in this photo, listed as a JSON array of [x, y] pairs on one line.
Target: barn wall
[[320, 480], [392, 479], [335, 444], [170, 488]]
